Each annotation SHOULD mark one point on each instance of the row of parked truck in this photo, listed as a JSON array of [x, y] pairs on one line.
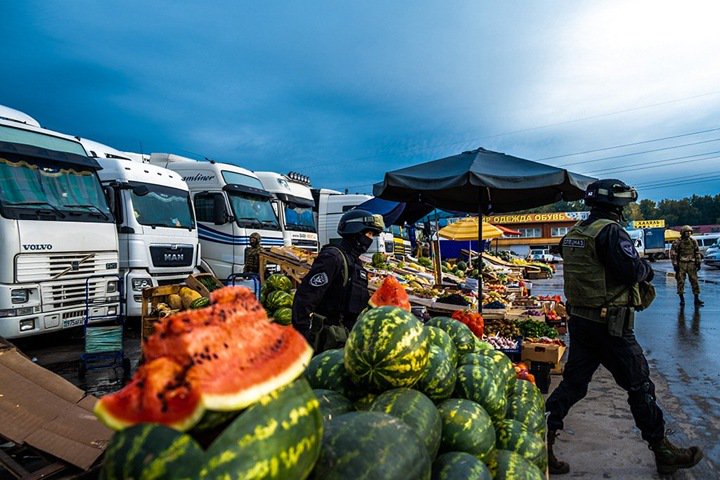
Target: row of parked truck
[[84, 228]]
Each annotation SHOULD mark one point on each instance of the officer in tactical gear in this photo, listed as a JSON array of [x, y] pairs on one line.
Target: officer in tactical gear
[[335, 290], [686, 260], [602, 272], [252, 254]]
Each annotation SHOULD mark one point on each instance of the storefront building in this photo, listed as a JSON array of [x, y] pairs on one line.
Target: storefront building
[[537, 230]]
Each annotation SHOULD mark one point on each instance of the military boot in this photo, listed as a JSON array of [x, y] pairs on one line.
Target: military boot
[[698, 302], [669, 458], [555, 466], [682, 299]]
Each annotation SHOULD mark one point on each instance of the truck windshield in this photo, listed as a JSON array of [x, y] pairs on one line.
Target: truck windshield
[[299, 218], [161, 206], [31, 191], [253, 211]]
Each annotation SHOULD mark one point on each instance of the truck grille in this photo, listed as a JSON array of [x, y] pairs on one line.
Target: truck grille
[[168, 257], [312, 244], [57, 295], [64, 266]]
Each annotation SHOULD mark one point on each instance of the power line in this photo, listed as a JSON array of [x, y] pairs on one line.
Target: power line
[[685, 182], [658, 163]]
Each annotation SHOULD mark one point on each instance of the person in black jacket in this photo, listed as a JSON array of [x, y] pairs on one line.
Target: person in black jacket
[[335, 290], [602, 275]]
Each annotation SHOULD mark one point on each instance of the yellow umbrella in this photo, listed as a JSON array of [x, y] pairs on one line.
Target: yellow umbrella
[[671, 235], [467, 229]]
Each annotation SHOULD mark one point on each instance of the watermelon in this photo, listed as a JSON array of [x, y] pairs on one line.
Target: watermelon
[[514, 436], [365, 402], [371, 446], [438, 381], [201, 302], [327, 371], [279, 282], [481, 345], [387, 348], [279, 436], [461, 335], [529, 393], [481, 386], [222, 358], [390, 293], [440, 337], [526, 412], [332, 404], [466, 428], [283, 316], [148, 451], [278, 299], [485, 361], [417, 411], [507, 465], [459, 466], [504, 367]]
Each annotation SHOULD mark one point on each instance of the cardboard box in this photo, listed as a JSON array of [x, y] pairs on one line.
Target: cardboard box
[[541, 352]]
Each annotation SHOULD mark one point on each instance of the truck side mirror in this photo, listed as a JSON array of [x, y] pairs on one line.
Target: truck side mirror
[[219, 210]]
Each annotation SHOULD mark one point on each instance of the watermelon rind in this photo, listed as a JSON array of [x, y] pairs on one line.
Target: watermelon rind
[[467, 427], [278, 437], [507, 465], [371, 446], [279, 282], [417, 411], [459, 466], [283, 316], [481, 385]]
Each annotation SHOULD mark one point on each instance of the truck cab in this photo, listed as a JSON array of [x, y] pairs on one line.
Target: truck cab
[[154, 218], [293, 203], [58, 244], [230, 204], [330, 205]]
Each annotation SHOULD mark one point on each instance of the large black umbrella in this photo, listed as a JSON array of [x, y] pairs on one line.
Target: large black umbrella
[[484, 182]]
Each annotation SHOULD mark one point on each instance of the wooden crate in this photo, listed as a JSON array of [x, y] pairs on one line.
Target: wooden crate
[[294, 269], [150, 298], [194, 281]]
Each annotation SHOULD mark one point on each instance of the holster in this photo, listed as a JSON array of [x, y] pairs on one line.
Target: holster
[[619, 320]]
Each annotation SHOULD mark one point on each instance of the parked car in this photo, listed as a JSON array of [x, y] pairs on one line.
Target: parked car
[[541, 256], [712, 257]]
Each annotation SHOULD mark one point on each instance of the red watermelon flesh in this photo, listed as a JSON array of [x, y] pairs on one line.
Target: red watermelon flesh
[[223, 357], [390, 293]]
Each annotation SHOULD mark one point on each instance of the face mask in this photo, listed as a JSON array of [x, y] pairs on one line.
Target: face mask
[[364, 243]]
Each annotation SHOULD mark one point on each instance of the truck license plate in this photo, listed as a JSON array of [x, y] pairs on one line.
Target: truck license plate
[[72, 322]]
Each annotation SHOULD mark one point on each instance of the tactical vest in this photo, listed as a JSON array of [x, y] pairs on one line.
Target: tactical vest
[[586, 285], [686, 249]]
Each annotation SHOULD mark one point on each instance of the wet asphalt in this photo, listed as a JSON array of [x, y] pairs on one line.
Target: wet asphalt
[[681, 345]]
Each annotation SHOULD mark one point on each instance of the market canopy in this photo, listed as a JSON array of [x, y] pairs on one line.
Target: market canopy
[[396, 213], [509, 231], [467, 229], [482, 181]]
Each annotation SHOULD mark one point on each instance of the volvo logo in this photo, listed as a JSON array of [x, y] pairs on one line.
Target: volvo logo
[[37, 246]]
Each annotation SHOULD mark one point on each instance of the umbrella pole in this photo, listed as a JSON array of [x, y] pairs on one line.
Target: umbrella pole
[[480, 264]]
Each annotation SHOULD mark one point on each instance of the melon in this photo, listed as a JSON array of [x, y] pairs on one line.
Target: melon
[[220, 358], [390, 293]]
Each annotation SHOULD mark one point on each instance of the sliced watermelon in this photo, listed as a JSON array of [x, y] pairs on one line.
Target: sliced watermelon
[[391, 294], [220, 358]]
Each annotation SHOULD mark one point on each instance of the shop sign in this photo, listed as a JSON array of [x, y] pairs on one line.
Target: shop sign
[[649, 223], [539, 217]]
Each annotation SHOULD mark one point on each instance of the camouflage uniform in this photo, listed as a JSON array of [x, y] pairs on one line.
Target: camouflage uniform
[[685, 256], [252, 255]]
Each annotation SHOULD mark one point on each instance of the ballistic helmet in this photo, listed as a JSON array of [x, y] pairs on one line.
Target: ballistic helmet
[[610, 192], [359, 221], [256, 235], [686, 228]]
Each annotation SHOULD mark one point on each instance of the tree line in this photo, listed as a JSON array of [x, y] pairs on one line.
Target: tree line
[[694, 210]]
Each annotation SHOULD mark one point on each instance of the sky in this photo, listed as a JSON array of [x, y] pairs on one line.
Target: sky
[[345, 91]]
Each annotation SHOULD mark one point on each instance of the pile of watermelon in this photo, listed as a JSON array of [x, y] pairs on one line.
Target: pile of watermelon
[[277, 297]]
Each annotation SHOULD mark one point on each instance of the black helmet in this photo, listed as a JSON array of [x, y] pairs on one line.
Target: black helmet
[[609, 192], [358, 221]]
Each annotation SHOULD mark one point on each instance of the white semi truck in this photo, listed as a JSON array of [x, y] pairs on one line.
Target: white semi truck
[[230, 204], [58, 244], [330, 205], [293, 202], [154, 218]]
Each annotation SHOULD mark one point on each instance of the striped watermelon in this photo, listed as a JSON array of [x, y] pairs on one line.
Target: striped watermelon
[[529, 393], [481, 386], [438, 381], [332, 404], [504, 367], [466, 428], [387, 348], [514, 436], [279, 437], [365, 402], [459, 466], [484, 361], [151, 450], [440, 337], [371, 446], [327, 371], [461, 335], [417, 411], [526, 412], [507, 465], [481, 345]]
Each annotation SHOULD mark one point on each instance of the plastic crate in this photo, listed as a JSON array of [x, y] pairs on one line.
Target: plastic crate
[[514, 354]]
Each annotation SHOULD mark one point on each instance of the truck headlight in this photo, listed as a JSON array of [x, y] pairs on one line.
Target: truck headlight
[[112, 286], [20, 295], [139, 284]]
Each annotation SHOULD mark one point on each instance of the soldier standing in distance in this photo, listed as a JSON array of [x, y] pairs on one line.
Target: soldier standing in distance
[[686, 260], [252, 254]]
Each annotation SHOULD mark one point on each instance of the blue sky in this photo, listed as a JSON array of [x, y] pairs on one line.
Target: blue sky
[[344, 91]]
